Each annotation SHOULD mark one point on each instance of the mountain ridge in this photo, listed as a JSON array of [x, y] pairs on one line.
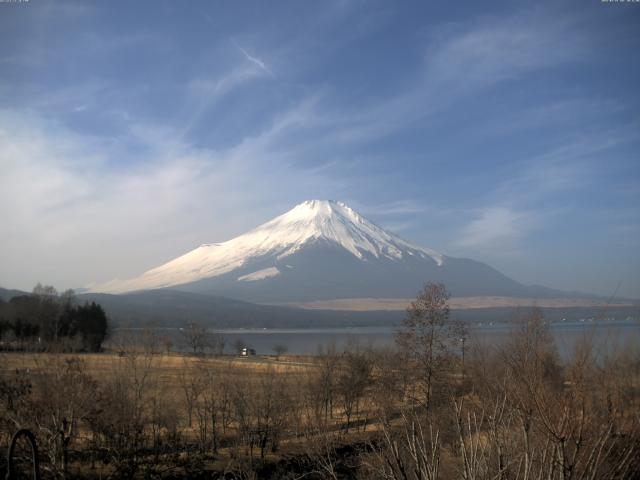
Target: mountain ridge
[[308, 222], [321, 250]]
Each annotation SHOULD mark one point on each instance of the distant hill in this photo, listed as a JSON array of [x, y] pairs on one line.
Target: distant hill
[[166, 307], [172, 308], [8, 294]]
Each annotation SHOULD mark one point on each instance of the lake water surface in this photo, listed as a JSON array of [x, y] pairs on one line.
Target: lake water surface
[[606, 335]]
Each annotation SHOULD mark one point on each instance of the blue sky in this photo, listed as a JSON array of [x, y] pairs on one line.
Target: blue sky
[[508, 132]]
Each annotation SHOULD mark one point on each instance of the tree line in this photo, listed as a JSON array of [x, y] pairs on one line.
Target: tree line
[[46, 318]]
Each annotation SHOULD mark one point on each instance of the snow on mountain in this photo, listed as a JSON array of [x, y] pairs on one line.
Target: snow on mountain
[[314, 221], [260, 274]]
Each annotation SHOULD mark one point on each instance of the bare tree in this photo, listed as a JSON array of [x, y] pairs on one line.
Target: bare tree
[[196, 337], [191, 385], [279, 349], [322, 383], [392, 379], [211, 405], [59, 396], [353, 379], [426, 335], [216, 343], [48, 311], [411, 453], [125, 408], [536, 420], [270, 410], [167, 343], [321, 446]]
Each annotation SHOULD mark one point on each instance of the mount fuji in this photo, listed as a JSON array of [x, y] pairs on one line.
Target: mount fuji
[[321, 250]]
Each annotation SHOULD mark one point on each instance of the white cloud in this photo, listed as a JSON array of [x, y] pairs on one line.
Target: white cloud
[[462, 60], [251, 58], [400, 207], [494, 49], [74, 213], [206, 91], [495, 228], [534, 190]]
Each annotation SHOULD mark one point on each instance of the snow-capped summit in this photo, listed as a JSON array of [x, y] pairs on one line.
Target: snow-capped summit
[[331, 221], [313, 221], [320, 249]]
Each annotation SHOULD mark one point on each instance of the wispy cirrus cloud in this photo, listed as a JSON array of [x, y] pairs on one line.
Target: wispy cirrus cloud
[[60, 193], [496, 229], [253, 59], [207, 91], [536, 190], [462, 60], [400, 207], [493, 49]]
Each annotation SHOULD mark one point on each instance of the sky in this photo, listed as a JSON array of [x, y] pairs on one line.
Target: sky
[[506, 132]]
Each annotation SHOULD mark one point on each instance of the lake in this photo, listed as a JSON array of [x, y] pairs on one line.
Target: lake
[[607, 336]]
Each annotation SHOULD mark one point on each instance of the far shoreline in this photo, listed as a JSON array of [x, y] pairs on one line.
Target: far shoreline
[[458, 303]]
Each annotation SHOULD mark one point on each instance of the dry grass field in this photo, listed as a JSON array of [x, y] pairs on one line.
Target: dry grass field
[[241, 408], [168, 367]]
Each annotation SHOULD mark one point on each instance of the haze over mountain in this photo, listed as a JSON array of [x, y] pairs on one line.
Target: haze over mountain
[[321, 250]]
